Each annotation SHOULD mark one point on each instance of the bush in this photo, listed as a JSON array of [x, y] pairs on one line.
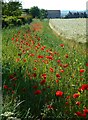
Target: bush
[[9, 21]]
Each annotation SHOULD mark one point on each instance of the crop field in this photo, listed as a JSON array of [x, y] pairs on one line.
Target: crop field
[[73, 29], [42, 77]]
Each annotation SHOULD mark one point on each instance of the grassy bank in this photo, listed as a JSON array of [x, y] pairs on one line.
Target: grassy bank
[[42, 76]]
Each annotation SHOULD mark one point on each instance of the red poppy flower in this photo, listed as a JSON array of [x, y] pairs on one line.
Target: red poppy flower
[[34, 74], [40, 56], [58, 61], [50, 107], [35, 68], [82, 70], [27, 43], [31, 55], [68, 97], [38, 38], [37, 92], [16, 39], [51, 70], [66, 55], [58, 75], [57, 81], [11, 76], [61, 71], [44, 76], [5, 86], [65, 65], [59, 93], [76, 95], [19, 54], [35, 86], [78, 113], [78, 103], [62, 45], [85, 110], [12, 39], [17, 59], [42, 82], [13, 91], [49, 57], [84, 87], [87, 64], [67, 103], [24, 60], [84, 115]]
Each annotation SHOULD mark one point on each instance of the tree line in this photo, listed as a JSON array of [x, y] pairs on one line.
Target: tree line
[[76, 15], [13, 13], [14, 8]]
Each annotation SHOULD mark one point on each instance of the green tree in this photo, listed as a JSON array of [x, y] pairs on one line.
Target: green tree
[[35, 12], [12, 8], [43, 13]]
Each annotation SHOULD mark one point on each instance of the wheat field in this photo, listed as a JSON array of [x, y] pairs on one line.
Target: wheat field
[[73, 29]]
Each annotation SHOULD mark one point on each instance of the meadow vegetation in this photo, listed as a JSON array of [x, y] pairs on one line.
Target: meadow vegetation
[[43, 77]]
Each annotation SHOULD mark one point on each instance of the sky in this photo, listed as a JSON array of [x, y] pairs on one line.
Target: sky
[[55, 4]]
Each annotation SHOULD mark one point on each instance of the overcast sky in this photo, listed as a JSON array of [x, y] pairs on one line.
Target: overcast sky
[[55, 4]]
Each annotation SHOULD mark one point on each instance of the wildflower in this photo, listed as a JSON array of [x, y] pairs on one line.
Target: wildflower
[[67, 103], [31, 55], [11, 76], [59, 93], [78, 113], [42, 82], [38, 38], [68, 97], [51, 70], [19, 54], [35, 60], [37, 92], [65, 65], [84, 115], [49, 57], [13, 92], [24, 60], [5, 86], [78, 103], [58, 75], [76, 95], [34, 68], [87, 64], [61, 65], [16, 39], [66, 55], [50, 107], [58, 61], [44, 76], [35, 86], [61, 45], [85, 110], [82, 70], [34, 74], [17, 59], [27, 43], [61, 71], [45, 61], [12, 39], [57, 81], [84, 87], [40, 56]]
